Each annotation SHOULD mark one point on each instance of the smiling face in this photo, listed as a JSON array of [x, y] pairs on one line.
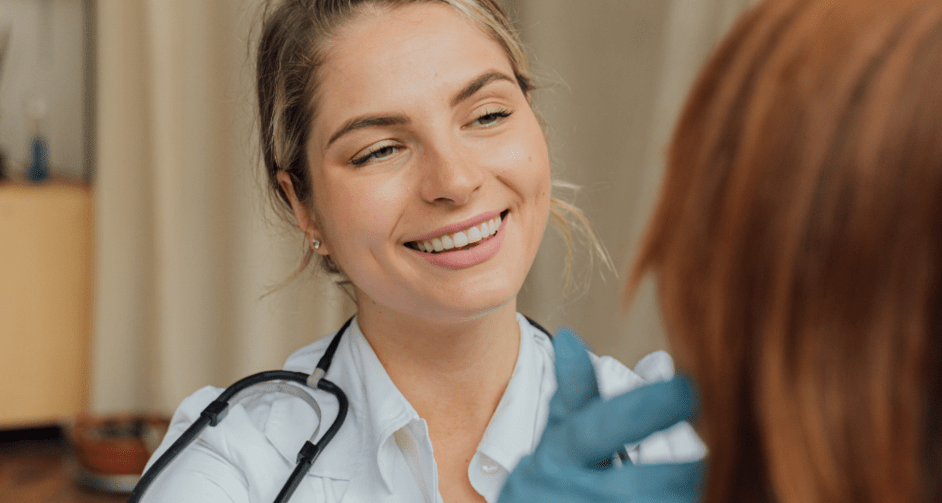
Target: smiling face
[[423, 141]]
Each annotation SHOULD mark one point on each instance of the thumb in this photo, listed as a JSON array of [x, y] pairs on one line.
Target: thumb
[[576, 385]]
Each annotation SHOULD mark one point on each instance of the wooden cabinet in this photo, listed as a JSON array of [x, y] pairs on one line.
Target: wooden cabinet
[[45, 302]]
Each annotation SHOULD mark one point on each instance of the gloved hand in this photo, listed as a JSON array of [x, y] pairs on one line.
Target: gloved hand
[[584, 430]]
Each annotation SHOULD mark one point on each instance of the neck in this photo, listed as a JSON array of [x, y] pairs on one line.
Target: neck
[[447, 369]]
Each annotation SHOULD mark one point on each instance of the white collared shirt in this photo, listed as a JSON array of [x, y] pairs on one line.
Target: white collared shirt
[[382, 453]]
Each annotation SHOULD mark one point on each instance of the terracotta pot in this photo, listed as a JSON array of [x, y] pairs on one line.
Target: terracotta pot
[[119, 445]]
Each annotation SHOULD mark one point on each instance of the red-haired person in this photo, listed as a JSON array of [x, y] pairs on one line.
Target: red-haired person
[[797, 248]]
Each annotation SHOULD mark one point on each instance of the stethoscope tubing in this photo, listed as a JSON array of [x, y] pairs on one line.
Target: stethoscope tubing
[[309, 452], [215, 411]]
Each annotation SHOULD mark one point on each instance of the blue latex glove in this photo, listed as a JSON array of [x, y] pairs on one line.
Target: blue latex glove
[[584, 430]]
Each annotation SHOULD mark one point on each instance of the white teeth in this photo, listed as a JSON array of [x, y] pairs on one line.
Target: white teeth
[[461, 239], [474, 235]]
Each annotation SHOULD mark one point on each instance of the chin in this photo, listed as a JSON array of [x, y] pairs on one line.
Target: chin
[[484, 307], [454, 309]]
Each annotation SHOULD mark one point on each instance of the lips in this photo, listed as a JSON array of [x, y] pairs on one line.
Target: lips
[[450, 239], [487, 231]]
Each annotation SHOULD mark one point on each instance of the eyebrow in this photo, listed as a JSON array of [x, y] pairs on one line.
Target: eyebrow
[[476, 86], [368, 121]]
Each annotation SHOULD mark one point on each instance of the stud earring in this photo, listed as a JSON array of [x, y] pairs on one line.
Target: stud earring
[[316, 243]]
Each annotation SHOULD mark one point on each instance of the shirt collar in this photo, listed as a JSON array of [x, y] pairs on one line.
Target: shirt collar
[[513, 430], [377, 409], [384, 409]]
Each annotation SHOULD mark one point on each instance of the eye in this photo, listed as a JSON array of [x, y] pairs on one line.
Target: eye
[[376, 153], [492, 118]]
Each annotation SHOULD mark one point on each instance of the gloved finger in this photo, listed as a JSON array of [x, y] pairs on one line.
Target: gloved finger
[[575, 376], [660, 483], [675, 482], [536, 479], [602, 428]]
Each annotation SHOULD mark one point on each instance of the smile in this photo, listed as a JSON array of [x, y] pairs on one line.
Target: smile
[[461, 240]]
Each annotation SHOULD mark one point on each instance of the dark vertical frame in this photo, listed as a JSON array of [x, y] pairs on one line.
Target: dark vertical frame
[[89, 78]]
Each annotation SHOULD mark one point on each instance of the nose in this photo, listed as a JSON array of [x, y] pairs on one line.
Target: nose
[[450, 174]]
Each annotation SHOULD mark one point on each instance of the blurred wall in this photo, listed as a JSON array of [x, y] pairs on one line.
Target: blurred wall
[[614, 74]]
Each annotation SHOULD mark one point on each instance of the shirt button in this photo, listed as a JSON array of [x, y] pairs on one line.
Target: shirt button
[[488, 466]]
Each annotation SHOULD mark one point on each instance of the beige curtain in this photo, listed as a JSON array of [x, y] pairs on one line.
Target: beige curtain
[[187, 245]]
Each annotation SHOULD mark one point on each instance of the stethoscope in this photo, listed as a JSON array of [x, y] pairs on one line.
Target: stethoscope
[[263, 382], [216, 410]]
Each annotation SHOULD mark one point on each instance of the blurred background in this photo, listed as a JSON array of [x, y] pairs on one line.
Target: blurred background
[[136, 240]]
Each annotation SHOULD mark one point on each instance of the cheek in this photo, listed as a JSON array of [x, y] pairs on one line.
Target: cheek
[[358, 211], [523, 161]]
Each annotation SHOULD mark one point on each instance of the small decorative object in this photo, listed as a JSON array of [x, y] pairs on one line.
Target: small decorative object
[[110, 453], [39, 150], [39, 160]]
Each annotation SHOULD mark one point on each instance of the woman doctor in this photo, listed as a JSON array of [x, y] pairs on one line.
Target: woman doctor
[[401, 137]]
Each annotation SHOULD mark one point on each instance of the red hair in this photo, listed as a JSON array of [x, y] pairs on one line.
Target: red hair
[[797, 247]]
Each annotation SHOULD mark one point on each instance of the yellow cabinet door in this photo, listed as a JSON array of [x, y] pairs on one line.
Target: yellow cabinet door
[[45, 302]]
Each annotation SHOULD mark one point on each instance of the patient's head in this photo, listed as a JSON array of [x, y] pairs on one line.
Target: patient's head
[[797, 248]]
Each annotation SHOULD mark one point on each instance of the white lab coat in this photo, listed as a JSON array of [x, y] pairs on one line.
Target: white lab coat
[[382, 453]]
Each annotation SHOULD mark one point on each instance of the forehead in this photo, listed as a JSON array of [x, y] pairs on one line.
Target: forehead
[[389, 58]]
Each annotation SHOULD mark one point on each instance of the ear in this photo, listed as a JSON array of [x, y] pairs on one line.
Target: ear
[[303, 213]]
